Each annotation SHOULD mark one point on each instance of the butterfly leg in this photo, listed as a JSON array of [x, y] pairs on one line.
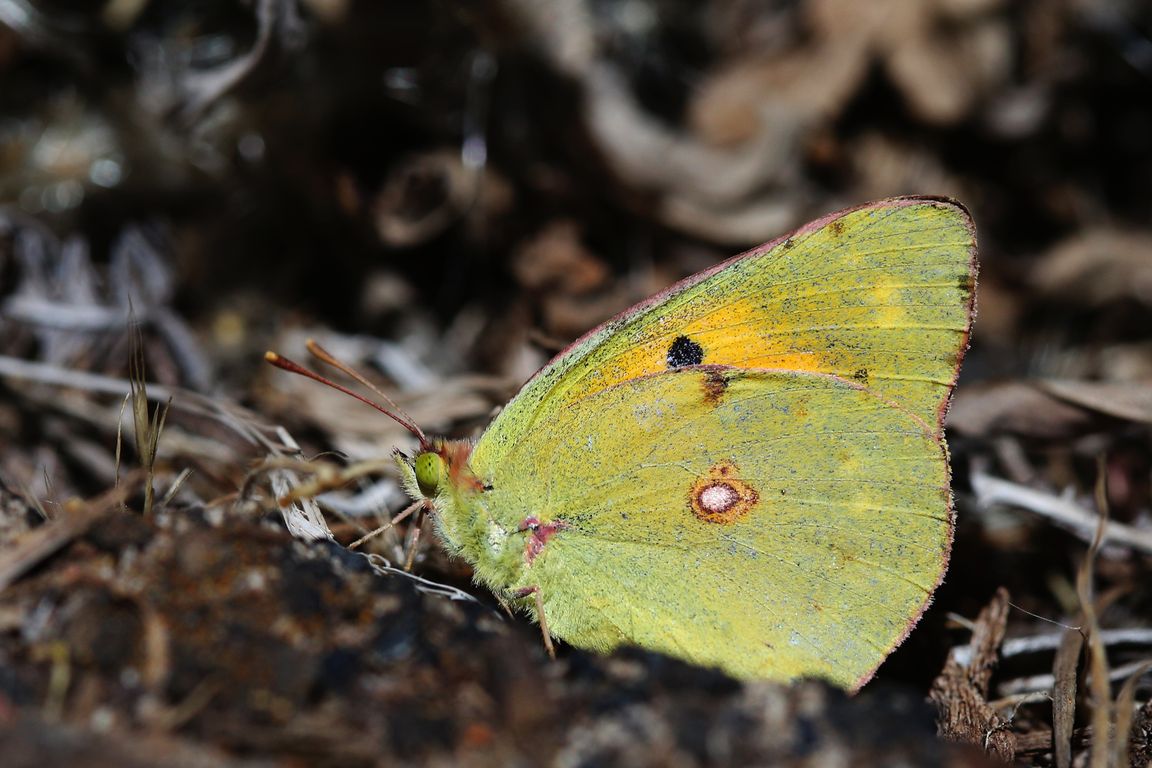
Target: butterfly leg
[[417, 526], [539, 595], [407, 511], [505, 605]]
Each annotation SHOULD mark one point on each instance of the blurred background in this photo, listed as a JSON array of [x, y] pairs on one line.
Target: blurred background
[[446, 193]]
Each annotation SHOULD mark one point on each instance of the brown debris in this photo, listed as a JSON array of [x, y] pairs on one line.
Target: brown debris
[[427, 193], [31, 741], [960, 693], [1142, 736], [573, 283], [30, 548]]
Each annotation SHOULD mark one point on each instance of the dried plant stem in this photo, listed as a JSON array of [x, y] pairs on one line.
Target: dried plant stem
[[1101, 748], [993, 490]]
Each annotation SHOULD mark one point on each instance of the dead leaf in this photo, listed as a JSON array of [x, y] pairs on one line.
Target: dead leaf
[[1131, 401], [1015, 407], [1098, 267]]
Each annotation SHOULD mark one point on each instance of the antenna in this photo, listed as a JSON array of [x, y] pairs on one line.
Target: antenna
[[397, 414]]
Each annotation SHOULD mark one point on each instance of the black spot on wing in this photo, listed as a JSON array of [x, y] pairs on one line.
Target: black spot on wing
[[683, 351]]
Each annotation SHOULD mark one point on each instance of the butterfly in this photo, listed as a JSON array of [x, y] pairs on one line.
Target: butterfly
[[747, 470]]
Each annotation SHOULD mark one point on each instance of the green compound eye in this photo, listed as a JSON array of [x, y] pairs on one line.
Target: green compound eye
[[429, 473]]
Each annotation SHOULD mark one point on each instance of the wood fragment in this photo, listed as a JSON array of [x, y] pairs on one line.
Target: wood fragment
[[1065, 667], [960, 692]]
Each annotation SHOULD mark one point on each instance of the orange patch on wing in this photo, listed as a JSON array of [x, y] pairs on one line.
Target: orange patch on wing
[[737, 333], [720, 496], [715, 385]]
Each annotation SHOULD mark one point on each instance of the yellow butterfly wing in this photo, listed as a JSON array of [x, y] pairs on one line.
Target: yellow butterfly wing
[[881, 294], [803, 383], [775, 524]]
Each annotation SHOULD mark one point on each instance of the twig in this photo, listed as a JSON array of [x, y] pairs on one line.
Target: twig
[[1020, 646], [239, 420], [993, 490]]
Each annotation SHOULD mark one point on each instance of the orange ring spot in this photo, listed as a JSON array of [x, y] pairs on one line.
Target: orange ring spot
[[720, 496]]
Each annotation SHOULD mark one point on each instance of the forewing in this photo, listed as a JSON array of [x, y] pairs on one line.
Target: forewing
[[817, 560], [880, 294]]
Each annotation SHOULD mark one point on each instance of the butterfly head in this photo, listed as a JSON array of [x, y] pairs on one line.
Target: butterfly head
[[440, 466]]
